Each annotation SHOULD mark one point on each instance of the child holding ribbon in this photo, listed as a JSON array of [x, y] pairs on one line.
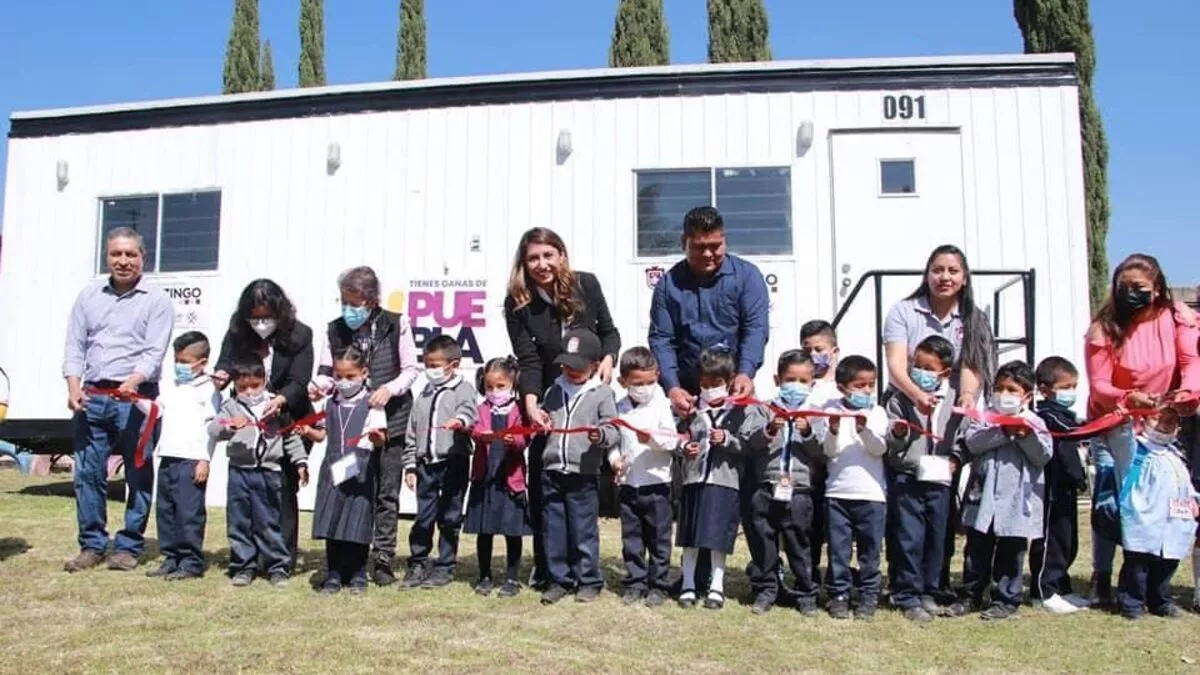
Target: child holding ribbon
[[344, 510], [497, 503]]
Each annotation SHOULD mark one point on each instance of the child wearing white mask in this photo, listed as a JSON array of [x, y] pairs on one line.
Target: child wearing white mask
[[344, 510], [642, 468]]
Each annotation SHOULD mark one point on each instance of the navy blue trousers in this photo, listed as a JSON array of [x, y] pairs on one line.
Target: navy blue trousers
[[773, 521], [646, 529], [253, 511], [1145, 583], [440, 491], [571, 528], [854, 523], [181, 516], [917, 538], [990, 558]]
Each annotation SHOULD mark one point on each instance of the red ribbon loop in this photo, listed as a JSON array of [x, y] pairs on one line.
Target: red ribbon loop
[[140, 453]]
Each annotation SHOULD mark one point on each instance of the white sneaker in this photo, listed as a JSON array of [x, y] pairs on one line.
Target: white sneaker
[[1057, 604]]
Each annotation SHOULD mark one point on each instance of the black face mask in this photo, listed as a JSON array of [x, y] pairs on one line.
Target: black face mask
[[1132, 299]]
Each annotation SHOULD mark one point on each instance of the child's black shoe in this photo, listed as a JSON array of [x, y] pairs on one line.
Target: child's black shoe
[[161, 571], [183, 575], [587, 594], [808, 609], [242, 579], [358, 587], [279, 581], [632, 596], [997, 612], [762, 604], [331, 587], [655, 598], [415, 576], [483, 586], [715, 600], [687, 599], [918, 615], [866, 610], [553, 594], [1169, 611], [510, 589], [383, 575], [839, 608], [1101, 591], [439, 577]]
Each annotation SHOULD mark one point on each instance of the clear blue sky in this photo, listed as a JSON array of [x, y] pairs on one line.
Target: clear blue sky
[[76, 52]]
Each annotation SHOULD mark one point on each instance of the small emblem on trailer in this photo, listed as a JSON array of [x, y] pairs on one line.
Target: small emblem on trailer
[[653, 275]]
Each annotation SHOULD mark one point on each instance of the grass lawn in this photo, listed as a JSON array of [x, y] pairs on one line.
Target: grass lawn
[[110, 621]]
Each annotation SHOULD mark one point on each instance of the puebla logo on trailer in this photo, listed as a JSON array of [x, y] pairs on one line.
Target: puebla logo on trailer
[[455, 307]]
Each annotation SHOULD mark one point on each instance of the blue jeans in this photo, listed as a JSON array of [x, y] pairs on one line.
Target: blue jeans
[[105, 426], [1103, 548]]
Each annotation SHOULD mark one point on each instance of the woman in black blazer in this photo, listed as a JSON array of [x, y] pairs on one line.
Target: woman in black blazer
[[264, 326], [545, 298]]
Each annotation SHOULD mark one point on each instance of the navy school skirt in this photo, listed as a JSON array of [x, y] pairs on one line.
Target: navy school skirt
[[708, 517]]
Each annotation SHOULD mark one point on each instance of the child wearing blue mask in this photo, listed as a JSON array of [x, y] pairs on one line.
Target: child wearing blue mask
[[779, 498], [855, 491], [1051, 555], [920, 472], [819, 339]]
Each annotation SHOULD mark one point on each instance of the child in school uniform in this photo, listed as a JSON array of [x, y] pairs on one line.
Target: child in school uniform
[[855, 491], [642, 467], [709, 508], [571, 469], [344, 510], [497, 503], [780, 466], [1052, 553], [184, 452], [1002, 508], [920, 473], [1158, 517], [819, 338], [257, 444], [437, 453]]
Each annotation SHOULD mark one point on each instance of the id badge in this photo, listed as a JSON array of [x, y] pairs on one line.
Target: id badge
[[1181, 508], [783, 490], [345, 468], [933, 469]]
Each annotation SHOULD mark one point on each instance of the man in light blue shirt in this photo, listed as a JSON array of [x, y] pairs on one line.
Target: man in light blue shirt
[[116, 339]]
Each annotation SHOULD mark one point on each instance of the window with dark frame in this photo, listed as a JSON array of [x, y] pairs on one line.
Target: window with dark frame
[[182, 231], [897, 177], [755, 202]]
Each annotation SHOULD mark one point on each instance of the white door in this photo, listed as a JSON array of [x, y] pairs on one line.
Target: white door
[[896, 196]]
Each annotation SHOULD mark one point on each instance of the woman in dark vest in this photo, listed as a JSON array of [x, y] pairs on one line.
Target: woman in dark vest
[[386, 340], [546, 298], [264, 326]]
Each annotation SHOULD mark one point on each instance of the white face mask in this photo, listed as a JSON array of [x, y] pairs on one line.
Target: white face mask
[[714, 394], [1158, 437], [436, 376], [1008, 404], [640, 393], [252, 400], [348, 388], [264, 327]]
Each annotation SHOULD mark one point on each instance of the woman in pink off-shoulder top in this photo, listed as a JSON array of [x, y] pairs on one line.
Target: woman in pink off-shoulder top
[[1140, 350]]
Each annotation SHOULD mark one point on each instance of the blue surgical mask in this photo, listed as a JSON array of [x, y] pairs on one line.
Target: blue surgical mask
[[927, 380], [184, 373], [355, 317], [794, 393], [821, 363], [860, 401], [1065, 397]]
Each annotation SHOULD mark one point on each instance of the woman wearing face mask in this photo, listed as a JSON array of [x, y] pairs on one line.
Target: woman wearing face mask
[[386, 341], [1141, 353], [545, 299], [264, 326]]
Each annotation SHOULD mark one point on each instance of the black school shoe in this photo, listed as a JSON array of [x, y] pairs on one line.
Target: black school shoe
[[687, 599], [162, 571], [918, 615], [183, 575], [415, 576], [553, 594], [997, 612], [1168, 611], [483, 586], [331, 587], [510, 589], [655, 598], [866, 610], [439, 577], [839, 608], [808, 608], [383, 575], [632, 596], [762, 605], [587, 594], [715, 600]]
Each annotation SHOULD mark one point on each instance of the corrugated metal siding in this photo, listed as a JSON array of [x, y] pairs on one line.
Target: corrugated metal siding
[[415, 187]]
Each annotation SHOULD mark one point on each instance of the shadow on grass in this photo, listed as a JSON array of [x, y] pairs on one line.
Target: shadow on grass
[[66, 488], [11, 547]]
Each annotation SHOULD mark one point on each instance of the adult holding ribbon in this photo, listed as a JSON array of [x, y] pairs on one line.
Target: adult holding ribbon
[[386, 341], [264, 326], [117, 337], [943, 305], [545, 299], [1141, 353]]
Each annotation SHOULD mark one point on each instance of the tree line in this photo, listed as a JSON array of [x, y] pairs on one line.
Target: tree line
[[738, 31]]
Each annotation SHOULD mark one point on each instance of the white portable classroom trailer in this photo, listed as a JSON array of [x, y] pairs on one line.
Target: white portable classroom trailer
[[836, 177]]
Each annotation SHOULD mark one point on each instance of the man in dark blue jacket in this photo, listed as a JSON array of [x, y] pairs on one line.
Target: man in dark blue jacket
[[708, 300]]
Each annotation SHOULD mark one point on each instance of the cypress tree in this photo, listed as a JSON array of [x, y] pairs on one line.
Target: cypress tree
[[268, 68], [312, 43], [738, 30], [640, 35], [1064, 26], [241, 53], [410, 41]]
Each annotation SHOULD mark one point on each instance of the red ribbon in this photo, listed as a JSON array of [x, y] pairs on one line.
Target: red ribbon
[[1095, 427], [143, 445], [780, 411], [306, 421], [355, 440]]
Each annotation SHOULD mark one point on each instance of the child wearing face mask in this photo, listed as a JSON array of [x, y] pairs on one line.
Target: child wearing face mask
[[1002, 508], [855, 491], [184, 451], [344, 510], [256, 446], [819, 338], [780, 504], [571, 469], [1158, 518], [642, 468], [497, 504], [920, 473], [709, 508], [1052, 553], [437, 452]]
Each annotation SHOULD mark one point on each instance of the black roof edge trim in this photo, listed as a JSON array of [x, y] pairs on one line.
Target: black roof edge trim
[[585, 88]]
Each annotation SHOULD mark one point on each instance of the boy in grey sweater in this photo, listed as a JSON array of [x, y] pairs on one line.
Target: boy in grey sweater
[[437, 454], [256, 443], [571, 469]]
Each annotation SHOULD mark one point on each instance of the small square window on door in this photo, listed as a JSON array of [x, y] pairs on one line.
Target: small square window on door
[[897, 177]]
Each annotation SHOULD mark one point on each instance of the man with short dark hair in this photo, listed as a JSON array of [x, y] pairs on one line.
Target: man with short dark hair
[[117, 337], [709, 300]]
